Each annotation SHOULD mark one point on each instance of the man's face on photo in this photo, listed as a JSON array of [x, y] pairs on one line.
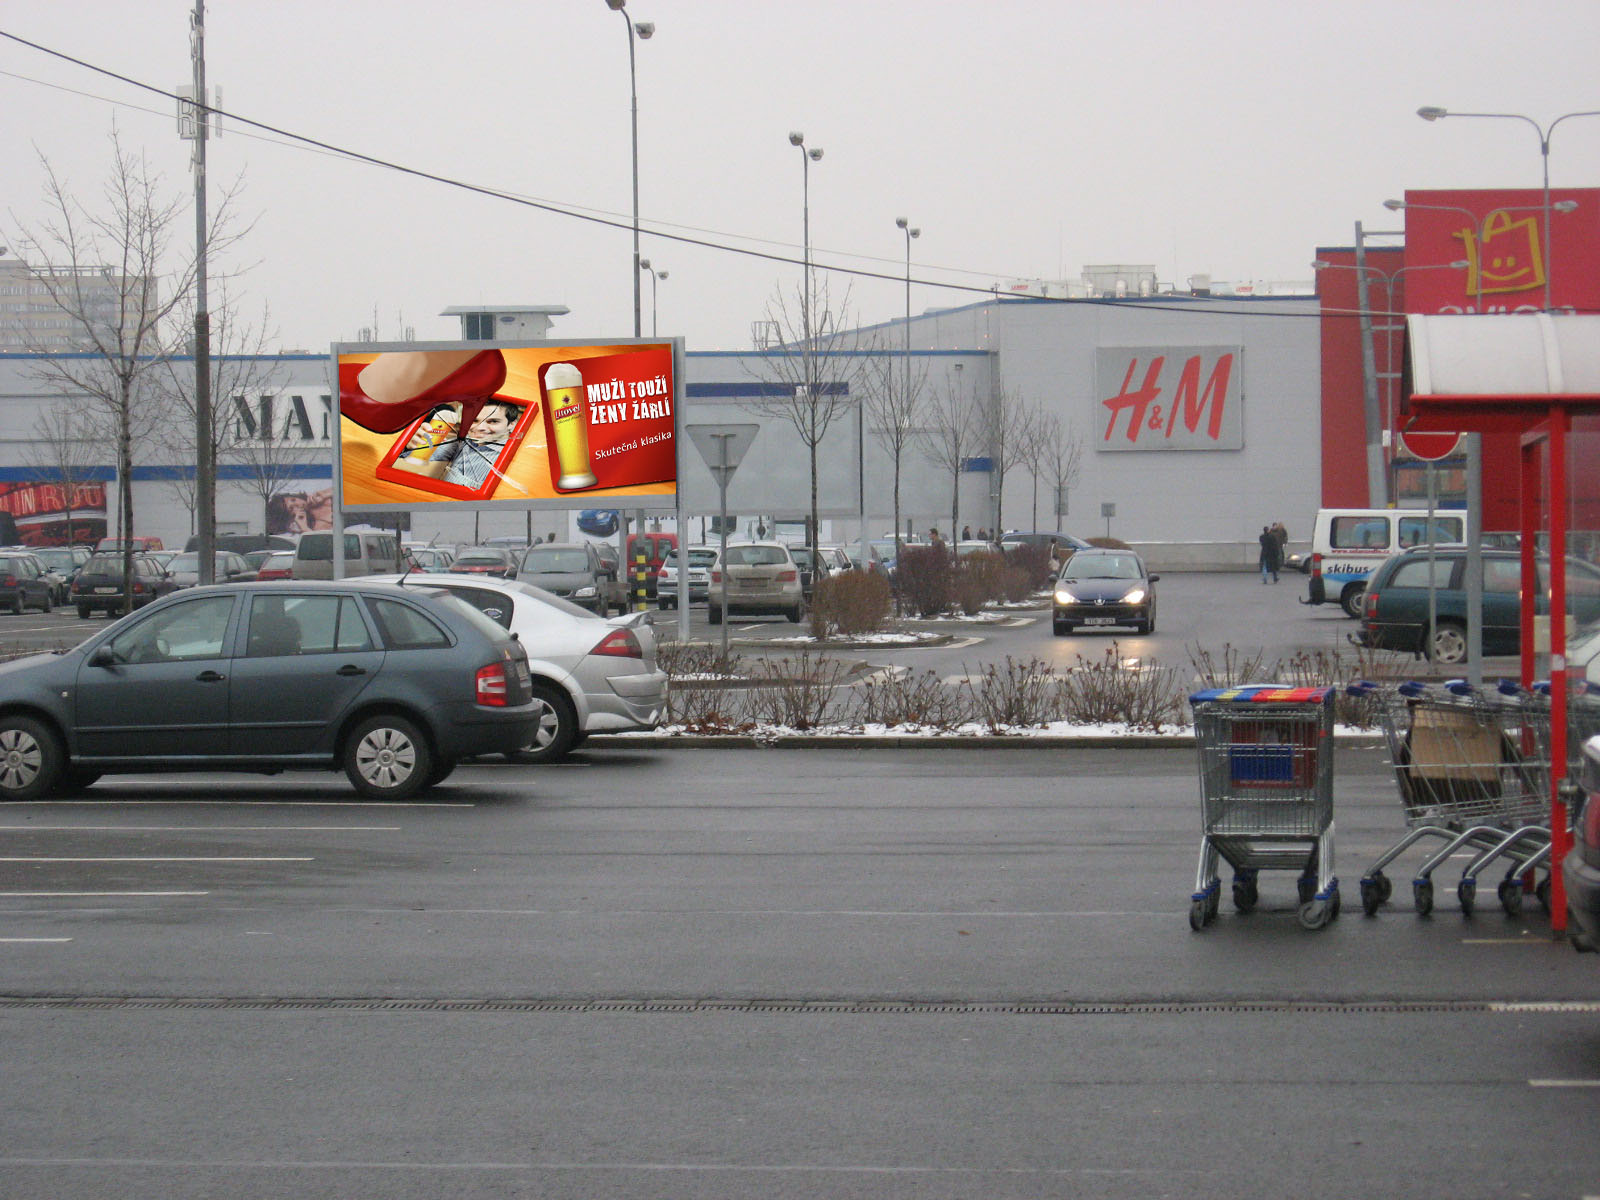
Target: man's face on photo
[[493, 424]]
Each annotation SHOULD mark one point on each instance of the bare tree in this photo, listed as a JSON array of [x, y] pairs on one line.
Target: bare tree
[[238, 366], [1062, 455], [103, 267], [65, 449], [950, 436], [1010, 431], [895, 399], [273, 436], [819, 372], [1035, 453]]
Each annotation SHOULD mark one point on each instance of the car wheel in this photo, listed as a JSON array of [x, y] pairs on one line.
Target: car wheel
[[387, 758], [1060, 628], [1448, 643], [1350, 600], [556, 730], [31, 758], [84, 612], [49, 602], [18, 604], [441, 771], [797, 613], [714, 614]]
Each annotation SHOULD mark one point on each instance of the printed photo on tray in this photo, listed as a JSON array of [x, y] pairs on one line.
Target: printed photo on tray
[[435, 455]]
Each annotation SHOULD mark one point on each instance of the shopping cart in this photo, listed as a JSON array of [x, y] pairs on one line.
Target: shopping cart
[[1583, 719], [1266, 792], [1472, 768]]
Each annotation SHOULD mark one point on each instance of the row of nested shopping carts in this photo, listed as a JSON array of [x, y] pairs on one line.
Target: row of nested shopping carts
[[1472, 765]]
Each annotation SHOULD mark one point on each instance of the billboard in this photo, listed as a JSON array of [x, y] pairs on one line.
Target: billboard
[[1501, 235], [1168, 398], [487, 425]]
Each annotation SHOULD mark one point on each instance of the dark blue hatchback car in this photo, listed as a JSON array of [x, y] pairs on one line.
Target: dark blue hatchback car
[[390, 685]]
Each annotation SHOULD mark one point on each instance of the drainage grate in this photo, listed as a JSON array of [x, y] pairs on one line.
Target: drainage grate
[[834, 1007]]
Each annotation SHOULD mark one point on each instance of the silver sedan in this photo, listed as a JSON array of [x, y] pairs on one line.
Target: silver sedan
[[590, 674]]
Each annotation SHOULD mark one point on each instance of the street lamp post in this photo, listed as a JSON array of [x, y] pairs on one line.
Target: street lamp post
[[911, 232], [643, 29], [644, 265], [1433, 113], [807, 157]]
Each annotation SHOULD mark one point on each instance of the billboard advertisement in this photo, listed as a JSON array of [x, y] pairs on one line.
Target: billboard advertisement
[[489, 425], [1168, 398], [1502, 237]]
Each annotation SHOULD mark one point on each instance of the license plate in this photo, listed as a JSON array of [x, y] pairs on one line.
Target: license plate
[[753, 585], [1100, 621], [106, 591]]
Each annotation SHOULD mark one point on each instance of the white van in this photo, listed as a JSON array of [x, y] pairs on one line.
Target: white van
[[366, 552], [1347, 543]]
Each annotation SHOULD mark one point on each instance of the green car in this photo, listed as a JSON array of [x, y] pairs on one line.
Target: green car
[[1394, 613]]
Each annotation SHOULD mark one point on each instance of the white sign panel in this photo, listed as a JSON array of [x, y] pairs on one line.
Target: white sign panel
[[1168, 398]]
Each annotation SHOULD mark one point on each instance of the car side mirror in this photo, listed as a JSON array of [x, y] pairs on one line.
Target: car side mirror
[[1153, 578], [103, 658]]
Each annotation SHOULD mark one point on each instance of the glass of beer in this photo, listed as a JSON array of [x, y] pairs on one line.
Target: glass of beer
[[569, 417]]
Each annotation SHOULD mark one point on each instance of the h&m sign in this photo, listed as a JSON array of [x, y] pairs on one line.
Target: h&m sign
[[1168, 398]]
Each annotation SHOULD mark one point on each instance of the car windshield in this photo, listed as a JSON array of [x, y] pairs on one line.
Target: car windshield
[[104, 564], [701, 558], [1101, 566], [555, 562]]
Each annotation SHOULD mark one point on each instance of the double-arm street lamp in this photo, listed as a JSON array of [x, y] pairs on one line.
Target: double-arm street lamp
[[644, 265], [1433, 113], [807, 157], [643, 30]]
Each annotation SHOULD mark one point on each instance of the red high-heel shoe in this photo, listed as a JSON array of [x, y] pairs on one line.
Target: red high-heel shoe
[[470, 385]]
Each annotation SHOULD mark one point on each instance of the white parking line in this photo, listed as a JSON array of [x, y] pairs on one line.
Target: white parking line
[[106, 801], [164, 858], [1564, 1083], [77, 895], [22, 941], [199, 829]]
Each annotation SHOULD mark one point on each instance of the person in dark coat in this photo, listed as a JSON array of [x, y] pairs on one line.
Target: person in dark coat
[[1271, 554]]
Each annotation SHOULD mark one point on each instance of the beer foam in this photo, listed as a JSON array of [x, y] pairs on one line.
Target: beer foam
[[562, 375]]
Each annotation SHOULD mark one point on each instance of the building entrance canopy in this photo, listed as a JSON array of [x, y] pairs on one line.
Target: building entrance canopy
[[1531, 374]]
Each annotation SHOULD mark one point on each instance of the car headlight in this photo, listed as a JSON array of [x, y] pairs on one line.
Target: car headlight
[[1065, 597], [1134, 597], [584, 591]]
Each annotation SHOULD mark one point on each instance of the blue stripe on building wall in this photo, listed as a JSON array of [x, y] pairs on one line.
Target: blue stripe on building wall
[[164, 474]]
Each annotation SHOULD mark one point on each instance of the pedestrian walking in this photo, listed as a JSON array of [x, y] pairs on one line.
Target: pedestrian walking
[[1271, 554]]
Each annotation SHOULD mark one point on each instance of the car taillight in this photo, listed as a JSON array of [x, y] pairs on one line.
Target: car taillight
[[787, 576], [9, 581], [491, 685], [716, 576], [620, 643], [1316, 564], [1369, 605], [137, 587]]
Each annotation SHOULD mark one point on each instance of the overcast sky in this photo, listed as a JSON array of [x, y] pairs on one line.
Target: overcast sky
[[1026, 139]]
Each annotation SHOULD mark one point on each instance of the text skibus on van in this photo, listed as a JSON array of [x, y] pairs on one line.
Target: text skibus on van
[[1348, 543]]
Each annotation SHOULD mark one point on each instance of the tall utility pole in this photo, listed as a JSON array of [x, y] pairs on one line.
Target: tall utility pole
[[205, 466]]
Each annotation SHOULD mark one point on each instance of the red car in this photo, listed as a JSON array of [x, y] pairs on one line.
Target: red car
[[278, 565], [486, 560]]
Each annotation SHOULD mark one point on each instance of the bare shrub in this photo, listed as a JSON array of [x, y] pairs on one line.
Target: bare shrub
[[923, 577], [921, 701], [1017, 585], [1034, 561], [798, 693], [1113, 691], [850, 604], [1229, 669], [1339, 668], [979, 580], [1019, 694]]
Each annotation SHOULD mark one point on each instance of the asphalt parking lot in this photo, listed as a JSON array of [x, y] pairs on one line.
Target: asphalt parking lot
[[948, 972]]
